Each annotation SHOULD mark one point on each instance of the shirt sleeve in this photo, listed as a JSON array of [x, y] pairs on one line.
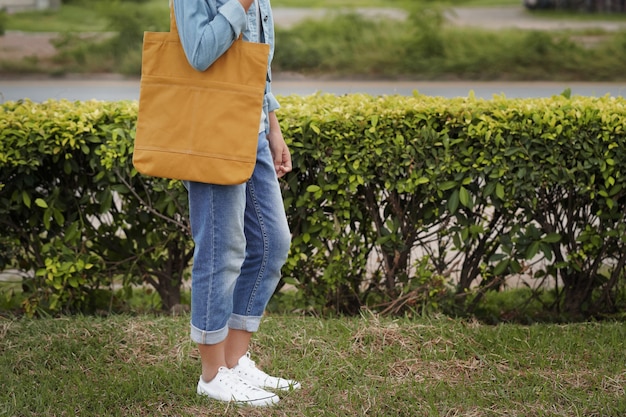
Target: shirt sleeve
[[272, 103], [205, 31]]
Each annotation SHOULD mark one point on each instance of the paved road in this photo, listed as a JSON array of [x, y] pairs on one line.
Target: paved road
[[113, 90], [517, 17]]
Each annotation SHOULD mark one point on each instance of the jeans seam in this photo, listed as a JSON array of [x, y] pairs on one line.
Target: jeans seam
[[211, 289], [259, 216]]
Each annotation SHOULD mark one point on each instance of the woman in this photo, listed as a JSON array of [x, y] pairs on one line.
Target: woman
[[240, 232]]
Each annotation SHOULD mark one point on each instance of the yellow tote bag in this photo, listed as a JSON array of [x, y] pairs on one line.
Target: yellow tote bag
[[199, 126]]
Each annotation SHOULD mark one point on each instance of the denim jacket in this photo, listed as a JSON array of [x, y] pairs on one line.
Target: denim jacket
[[207, 28]]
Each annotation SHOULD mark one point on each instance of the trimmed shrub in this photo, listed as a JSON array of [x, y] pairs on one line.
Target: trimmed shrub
[[75, 216], [395, 203]]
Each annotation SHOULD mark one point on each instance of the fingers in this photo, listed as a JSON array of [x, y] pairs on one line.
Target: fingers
[[283, 165]]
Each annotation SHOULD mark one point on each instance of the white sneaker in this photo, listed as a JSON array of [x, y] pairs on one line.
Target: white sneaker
[[246, 369], [227, 386]]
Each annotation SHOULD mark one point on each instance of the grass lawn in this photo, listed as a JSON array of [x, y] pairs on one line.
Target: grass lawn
[[146, 366], [69, 18]]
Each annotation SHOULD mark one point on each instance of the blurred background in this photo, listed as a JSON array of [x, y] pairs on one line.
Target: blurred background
[[480, 40]]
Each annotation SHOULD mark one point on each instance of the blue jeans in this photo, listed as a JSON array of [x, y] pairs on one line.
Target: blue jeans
[[241, 241]]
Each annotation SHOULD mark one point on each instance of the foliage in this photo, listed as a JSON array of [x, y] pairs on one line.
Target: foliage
[[74, 214], [395, 203], [485, 189], [424, 47], [77, 16], [116, 52], [3, 21], [345, 43]]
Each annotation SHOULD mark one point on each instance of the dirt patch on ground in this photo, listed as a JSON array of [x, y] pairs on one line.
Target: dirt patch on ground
[[15, 46]]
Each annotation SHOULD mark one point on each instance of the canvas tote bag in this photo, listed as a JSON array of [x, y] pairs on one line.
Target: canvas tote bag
[[199, 126]]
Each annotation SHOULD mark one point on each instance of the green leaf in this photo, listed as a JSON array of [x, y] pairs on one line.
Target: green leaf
[[313, 188], [500, 191], [291, 281], [465, 198], [40, 202], [73, 281], [448, 185], [46, 218], [26, 199], [551, 238], [59, 217], [453, 202], [72, 233], [532, 250], [501, 267]]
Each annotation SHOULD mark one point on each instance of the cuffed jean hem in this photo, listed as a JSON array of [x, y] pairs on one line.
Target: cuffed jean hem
[[245, 323], [204, 337]]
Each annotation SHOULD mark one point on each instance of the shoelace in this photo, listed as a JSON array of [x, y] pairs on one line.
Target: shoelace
[[252, 365], [238, 386]]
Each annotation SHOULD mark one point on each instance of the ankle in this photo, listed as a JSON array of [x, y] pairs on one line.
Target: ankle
[[236, 345], [233, 361], [209, 373], [212, 358]]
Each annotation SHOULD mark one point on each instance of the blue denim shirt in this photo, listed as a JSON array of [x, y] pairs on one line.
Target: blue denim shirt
[[207, 28]]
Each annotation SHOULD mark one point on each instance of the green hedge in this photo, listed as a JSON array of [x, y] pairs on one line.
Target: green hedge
[[475, 190], [395, 203], [76, 219]]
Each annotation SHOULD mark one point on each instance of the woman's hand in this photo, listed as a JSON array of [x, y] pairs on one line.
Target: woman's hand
[[278, 147]]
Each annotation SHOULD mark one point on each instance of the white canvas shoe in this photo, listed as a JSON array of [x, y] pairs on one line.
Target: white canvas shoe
[[246, 369], [227, 386]]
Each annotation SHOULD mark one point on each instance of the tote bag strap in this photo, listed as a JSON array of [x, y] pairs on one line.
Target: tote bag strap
[[173, 28]]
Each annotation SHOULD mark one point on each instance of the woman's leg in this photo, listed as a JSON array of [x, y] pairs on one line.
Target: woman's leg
[[212, 358], [236, 345], [217, 224], [267, 244], [242, 241]]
